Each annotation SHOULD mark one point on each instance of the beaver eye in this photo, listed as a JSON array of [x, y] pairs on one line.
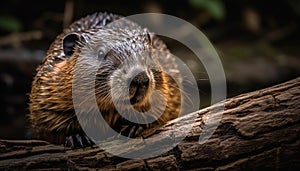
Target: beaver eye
[[101, 55]]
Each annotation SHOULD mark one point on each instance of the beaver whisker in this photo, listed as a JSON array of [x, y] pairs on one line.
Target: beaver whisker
[[128, 51]]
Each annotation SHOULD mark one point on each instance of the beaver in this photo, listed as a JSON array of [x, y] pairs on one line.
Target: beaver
[[109, 39]]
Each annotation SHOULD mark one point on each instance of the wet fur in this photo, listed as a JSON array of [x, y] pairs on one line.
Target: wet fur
[[51, 105]]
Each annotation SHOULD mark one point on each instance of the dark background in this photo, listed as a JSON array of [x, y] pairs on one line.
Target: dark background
[[258, 43]]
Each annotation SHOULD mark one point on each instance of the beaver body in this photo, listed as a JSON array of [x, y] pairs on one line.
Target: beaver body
[[127, 57]]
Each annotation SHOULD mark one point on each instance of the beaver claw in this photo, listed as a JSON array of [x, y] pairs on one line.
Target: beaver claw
[[132, 131], [78, 141]]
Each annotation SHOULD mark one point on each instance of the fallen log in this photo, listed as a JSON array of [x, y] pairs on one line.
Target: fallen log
[[258, 131]]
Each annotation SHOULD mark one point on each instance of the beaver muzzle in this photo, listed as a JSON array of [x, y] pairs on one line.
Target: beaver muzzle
[[138, 88]]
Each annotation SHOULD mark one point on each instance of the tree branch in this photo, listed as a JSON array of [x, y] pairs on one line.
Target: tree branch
[[258, 130]]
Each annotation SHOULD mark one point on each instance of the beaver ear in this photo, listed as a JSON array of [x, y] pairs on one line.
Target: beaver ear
[[69, 42]]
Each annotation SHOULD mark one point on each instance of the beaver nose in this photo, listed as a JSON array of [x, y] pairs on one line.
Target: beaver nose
[[138, 87]]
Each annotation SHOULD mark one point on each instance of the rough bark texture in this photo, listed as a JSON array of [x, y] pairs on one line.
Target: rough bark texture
[[258, 131]]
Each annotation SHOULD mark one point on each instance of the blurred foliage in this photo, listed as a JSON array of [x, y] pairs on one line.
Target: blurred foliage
[[9, 24], [215, 8], [295, 5]]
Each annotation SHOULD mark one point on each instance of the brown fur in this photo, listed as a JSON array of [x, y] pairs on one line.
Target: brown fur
[[51, 107]]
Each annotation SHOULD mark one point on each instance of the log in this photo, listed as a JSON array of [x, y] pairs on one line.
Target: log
[[258, 131]]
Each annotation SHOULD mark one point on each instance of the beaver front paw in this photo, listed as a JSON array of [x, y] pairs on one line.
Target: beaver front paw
[[132, 131], [78, 141]]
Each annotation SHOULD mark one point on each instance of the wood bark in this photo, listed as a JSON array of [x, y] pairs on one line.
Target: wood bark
[[258, 131]]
